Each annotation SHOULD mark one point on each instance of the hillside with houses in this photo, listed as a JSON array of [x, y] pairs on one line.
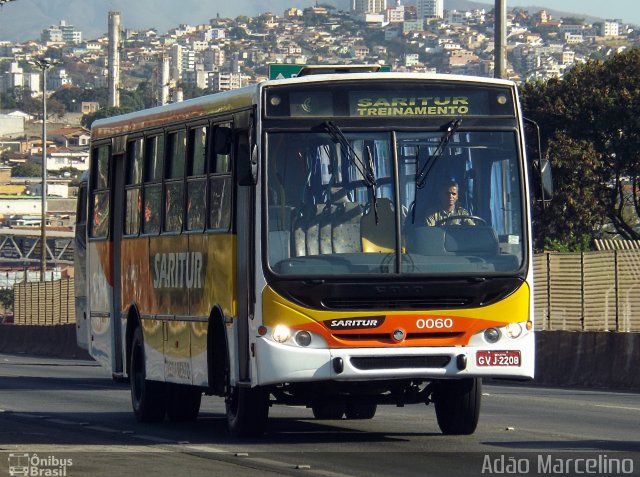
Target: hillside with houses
[[224, 53]]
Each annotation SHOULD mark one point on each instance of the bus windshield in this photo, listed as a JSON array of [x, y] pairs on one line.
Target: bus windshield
[[394, 202]]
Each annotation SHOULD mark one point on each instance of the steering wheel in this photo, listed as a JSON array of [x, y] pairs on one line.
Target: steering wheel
[[451, 218]]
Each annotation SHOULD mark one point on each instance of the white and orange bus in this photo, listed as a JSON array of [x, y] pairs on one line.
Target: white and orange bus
[[277, 244]]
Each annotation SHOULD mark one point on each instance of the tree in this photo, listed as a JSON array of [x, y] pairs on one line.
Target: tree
[[131, 100], [55, 108], [27, 169], [591, 131], [70, 97], [101, 95], [6, 299], [569, 223], [145, 90], [88, 119], [191, 91], [12, 99]]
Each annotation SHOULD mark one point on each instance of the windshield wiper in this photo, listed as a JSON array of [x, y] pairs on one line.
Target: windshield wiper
[[374, 189], [367, 171], [421, 177], [338, 136]]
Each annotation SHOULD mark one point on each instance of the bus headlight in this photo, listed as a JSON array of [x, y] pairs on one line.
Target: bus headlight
[[492, 335], [281, 333], [303, 338], [513, 330]]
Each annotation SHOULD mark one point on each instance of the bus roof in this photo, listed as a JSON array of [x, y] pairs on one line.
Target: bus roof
[[219, 103]]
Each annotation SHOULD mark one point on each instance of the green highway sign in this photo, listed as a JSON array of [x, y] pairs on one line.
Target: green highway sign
[[282, 71]]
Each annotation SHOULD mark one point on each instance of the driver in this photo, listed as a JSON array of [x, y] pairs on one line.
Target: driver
[[448, 207]]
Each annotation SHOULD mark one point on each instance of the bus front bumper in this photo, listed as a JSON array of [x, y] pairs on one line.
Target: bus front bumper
[[279, 363]]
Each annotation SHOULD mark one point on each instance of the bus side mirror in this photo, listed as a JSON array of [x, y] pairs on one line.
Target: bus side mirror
[[546, 180], [542, 176], [222, 140], [247, 164]]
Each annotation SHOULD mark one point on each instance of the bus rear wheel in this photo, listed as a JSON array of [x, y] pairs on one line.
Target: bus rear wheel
[[360, 410], [183, 403], [328, 410], [148, 398], [247, 411], [458, 405]]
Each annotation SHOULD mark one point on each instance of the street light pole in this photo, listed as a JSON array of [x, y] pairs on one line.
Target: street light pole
[[500, 39], [44, 64]]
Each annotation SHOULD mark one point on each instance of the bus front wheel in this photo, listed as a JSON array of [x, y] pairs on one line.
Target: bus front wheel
[[247, 411], [458, 405], [148, 398]]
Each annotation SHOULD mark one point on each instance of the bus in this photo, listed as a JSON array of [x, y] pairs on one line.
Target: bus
[[275, 244]]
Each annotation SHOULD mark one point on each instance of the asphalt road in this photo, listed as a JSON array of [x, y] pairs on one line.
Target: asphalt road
[[70, 417]]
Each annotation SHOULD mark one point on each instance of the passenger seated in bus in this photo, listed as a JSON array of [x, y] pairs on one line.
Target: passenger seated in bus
[[449, 208]]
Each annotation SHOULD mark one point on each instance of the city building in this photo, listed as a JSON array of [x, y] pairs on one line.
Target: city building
[[430, 8], [610, 28], [360, 7], [62, 33]]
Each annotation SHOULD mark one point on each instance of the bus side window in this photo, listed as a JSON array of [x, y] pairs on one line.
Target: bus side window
[[133, 198], [220, 188], [154, 160], [100, 192], [196, 178], [174, 181]]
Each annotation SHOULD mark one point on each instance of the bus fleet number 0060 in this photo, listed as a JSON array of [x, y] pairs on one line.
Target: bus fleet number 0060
[[429, 323]]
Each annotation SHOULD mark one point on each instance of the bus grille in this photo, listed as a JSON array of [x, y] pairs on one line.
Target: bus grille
[[387, 336], [396, 304], [399, 362]]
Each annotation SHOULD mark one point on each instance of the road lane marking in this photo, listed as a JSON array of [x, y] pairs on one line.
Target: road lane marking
[[64, 422], [204, 448], [619, 407]]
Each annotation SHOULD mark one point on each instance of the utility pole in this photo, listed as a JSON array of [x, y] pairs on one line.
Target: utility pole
[[44, 64], [500, 39]]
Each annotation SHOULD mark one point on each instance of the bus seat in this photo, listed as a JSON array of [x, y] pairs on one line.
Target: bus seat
[[328, 228], [306, 230], [379, 237], [300, 232], [345, 227]]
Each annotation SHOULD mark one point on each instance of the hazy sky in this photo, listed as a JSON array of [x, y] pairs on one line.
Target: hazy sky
[[627, 10]]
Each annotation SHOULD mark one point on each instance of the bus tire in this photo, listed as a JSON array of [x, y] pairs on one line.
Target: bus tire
[[247, 411], [328, 410], [458, 405], [360, 410], [148, 398], [183, 402]]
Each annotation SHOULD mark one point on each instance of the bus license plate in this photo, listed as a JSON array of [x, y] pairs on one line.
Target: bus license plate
[[498, 358]]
